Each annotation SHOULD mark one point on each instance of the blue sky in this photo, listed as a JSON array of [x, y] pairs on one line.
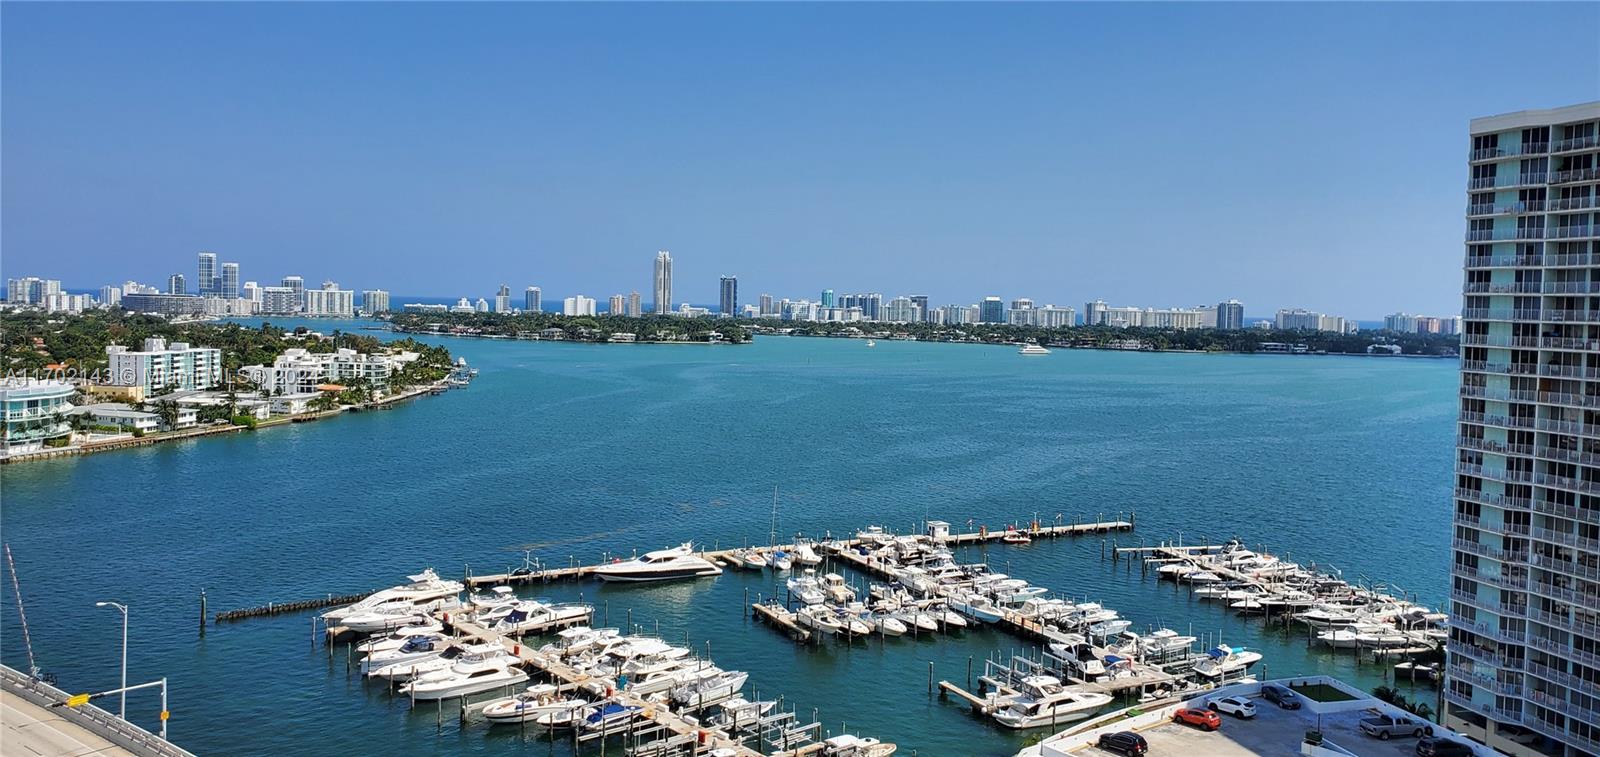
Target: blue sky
[[1284, 154]]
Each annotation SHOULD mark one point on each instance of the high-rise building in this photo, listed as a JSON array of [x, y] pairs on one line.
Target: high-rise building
[[921, 301], [578, 305], [502, 299], [1524, 645], [294, 283], [901, 310], [635, 308], [992, 310], [159, 367], [207, 273], [176, 284], [110, 296], [532, 300], [766, 307], [1297, 319], [1230, 315], [663, 283], [230, 281], [481, 306], [1404, 323], [281, 301], [729, 302], [375, 301], [329, 301], [828, 299], [1094, 313], [618, 305]]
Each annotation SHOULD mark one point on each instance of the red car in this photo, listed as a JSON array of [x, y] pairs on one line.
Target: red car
[[1206, 719]]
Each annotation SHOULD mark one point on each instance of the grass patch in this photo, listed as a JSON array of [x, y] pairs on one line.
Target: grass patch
[[1321, 692]]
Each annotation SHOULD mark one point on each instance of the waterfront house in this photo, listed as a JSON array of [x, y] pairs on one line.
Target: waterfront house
[[623, 336], [129, 419], [292, 404], [35, 413]]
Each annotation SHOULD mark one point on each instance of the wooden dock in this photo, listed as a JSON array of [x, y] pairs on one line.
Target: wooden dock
[[707, 738], [1036, 531], [780, 618]]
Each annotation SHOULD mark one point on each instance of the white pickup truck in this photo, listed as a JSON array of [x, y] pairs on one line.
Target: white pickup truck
[[1385, 726]]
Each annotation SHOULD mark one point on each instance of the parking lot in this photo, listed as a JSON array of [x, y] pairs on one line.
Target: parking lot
[[1272, 731]]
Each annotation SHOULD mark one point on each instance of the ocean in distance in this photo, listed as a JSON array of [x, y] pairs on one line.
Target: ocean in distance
[[574, 450]]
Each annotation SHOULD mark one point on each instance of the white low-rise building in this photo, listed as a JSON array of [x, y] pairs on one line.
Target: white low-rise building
[[35, 411], [128, 419], [159, 366], [299, 371]]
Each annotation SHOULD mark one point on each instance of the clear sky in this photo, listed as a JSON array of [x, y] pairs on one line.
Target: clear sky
[[1154, 155]]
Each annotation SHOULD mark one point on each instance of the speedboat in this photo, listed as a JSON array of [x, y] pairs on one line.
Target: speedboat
[[405, 670], [874, 535], [1328, 615], [414, 648], [535, 615], [1032, 349], [1201, 577], [849, 745], [887, 624], [948, 617], [424, 586], [465, 678], [1108, 628], [609, 716], [739, 711], [536, 702], [1043, 701], [710, 690], [818, 618], [780, 560], [836, 590], [805, 554], [392, 615], [682, 673], [975, 606], [579, 639], [660, 565], [1079, 657], [1163, 642], [498, 596], [852, 624], [657, 657], [918, 619], [806, 588], [394, 639], [1014, 536], [1224, 660], [746, 558]]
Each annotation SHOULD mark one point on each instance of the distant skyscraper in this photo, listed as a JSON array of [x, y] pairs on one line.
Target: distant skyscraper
[[481, 306], [1230, 315], [618, 306], [766, 307], [110, 296], [921, 301], [375, 301], [176, 284], [635, 309], [1524, 644], [578, 305], [230, 281], [294, 283], [207, 273], [502, 299], [1094, 313], [533, 300], [827, 298], [729, 303], [662, 284], [992, 310]]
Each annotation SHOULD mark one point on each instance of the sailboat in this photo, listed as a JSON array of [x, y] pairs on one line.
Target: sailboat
[[780, 560]]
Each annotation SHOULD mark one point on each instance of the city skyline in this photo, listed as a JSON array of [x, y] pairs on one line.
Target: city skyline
[[853, 187]]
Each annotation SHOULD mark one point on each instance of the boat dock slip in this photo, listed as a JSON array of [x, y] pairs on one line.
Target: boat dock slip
[[782, 618]]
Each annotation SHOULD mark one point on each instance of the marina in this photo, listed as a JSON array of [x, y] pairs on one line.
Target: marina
[[523, 493]]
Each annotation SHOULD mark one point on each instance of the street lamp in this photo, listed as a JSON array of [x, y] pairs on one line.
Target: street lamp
[[122, 709]]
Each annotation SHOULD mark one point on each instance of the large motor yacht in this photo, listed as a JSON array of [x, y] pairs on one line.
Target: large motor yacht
[[660, 565], [1045, 702]]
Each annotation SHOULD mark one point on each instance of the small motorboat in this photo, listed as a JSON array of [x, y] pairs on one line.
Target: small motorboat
[[710, 690], [579, 639], [1032, 349], [847, 745], [818, 618], [465, 678], [415, 648], [498, 596], [739, 711], [781, 560], [806, 588], [852, 624], [394, 639], [888, 624], [836, 590], [805, 554], [609, 716], [530, 705], [1013, 536]]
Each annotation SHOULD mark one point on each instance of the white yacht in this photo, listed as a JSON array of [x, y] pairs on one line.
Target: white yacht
[[780, 560], [391, 615], [710, 690], [424, 586], [818, 618], [446, 656], [1043, 702], [924, 622], [1032, 349], [579, 639], [888, 624], [660, 565], [683, 673], [394, 639], [852, 624], [534, 615], [806, 588], [536, 702], [610, 716], [1224, 660], [805, 554], [465, 678], [975, 606], [836, 590], [420, 647], [739, 711]]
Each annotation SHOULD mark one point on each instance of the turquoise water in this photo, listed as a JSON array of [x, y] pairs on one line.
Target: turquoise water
[[575, 450]]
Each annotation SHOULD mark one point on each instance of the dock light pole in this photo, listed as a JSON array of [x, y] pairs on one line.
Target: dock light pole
[[122, 708]]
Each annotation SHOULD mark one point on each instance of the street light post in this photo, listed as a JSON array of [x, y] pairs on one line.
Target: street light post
[[122, 708]]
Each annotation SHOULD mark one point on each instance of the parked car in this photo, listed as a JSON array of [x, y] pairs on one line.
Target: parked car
[[1385, 726], [1195, 716], [1123, 742], [1517, 733], [1434, 746], [1280, 696], [1239, 707]]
